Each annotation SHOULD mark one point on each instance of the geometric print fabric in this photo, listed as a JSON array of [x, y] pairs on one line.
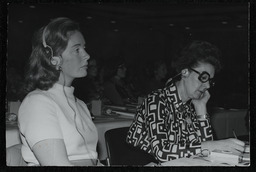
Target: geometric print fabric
[[167, 128]]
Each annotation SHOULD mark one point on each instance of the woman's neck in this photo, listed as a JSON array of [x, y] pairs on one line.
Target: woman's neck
[[117, 77], [182, 91], [64, 80]]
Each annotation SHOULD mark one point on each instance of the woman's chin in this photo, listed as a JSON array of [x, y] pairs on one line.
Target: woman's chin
[[82, 74]]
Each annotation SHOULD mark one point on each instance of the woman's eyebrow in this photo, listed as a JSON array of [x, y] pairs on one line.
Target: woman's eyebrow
[[76, 45]]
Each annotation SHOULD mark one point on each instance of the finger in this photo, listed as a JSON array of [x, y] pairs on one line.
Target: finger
[[207, 94], [235, 151], [237, 147], [238, 142]]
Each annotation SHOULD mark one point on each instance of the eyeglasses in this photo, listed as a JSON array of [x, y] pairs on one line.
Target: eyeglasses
[[204, 77]]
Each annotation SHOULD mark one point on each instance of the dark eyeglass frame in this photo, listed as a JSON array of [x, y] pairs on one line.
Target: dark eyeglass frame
[[201, 76]]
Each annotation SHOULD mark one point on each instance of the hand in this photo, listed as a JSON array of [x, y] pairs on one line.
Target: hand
[[233, 145], [200, 104], [203, 98]]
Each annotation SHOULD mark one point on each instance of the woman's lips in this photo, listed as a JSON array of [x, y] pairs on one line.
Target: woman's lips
[[84, 66]]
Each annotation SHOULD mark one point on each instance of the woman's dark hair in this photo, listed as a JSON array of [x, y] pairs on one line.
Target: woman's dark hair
[[41, 73], [157, 64], [196, 52]]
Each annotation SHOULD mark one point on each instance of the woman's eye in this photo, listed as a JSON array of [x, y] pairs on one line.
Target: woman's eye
[[79, 50], [204, 78]]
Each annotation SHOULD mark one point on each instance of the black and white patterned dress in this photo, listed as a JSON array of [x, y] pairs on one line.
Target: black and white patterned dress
[[167, 128]]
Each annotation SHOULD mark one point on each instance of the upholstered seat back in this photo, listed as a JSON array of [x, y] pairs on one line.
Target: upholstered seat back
[[121, 153]]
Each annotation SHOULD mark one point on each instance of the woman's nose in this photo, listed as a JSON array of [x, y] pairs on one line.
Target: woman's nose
[[86, 55], [207, 84]]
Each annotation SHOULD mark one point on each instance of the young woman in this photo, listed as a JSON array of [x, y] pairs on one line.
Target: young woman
[[56, 127]]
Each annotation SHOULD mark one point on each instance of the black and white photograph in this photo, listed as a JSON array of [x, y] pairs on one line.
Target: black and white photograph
[[128, 84]]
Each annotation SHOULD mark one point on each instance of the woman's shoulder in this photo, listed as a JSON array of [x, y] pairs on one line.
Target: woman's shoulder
[[160, 94], [37, 95], [38, 101], [155, 95]]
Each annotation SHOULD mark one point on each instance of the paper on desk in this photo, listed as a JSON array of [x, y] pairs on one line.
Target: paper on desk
[[116, 107], [192, 162], [121, 108], [224, 156], [227, 157], [216, 158], [247, 149], [126, 114]]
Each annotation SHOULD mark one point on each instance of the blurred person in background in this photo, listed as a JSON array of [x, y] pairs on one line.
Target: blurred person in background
[[14, 85], [158, 76], [89, 88], [115, 88]]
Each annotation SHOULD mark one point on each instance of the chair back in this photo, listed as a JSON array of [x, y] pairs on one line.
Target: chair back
[[14, 157], [121, 153]]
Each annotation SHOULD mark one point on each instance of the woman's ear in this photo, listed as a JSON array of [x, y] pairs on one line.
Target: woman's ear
[[56, 60], [184, 72]]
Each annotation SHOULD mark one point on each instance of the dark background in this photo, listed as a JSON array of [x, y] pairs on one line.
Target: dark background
[[143, 32]]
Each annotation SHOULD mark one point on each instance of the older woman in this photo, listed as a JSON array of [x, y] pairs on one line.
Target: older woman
[[173, 122], [56, 127]]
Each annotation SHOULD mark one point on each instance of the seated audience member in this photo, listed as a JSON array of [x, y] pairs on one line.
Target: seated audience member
[[173, 122], [56, 127], [88, 88], [14, 85], [159, 73], [134, 78], [115, 88]]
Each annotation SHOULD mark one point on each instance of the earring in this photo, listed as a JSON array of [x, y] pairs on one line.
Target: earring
[[58, 68]]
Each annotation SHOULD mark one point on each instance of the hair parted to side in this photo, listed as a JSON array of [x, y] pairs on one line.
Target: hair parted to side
[[196, 52], [41, 73]]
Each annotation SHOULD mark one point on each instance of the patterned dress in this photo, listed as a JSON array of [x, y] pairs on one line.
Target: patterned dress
[[167, 128]]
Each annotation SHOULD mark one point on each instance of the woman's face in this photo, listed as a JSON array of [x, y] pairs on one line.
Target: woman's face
[[162, 71], [194, 88], [92, 68], [75, 57], [121, 71]]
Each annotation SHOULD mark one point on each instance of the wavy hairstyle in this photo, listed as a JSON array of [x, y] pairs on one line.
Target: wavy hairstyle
[[196, 52], [41, 73]]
